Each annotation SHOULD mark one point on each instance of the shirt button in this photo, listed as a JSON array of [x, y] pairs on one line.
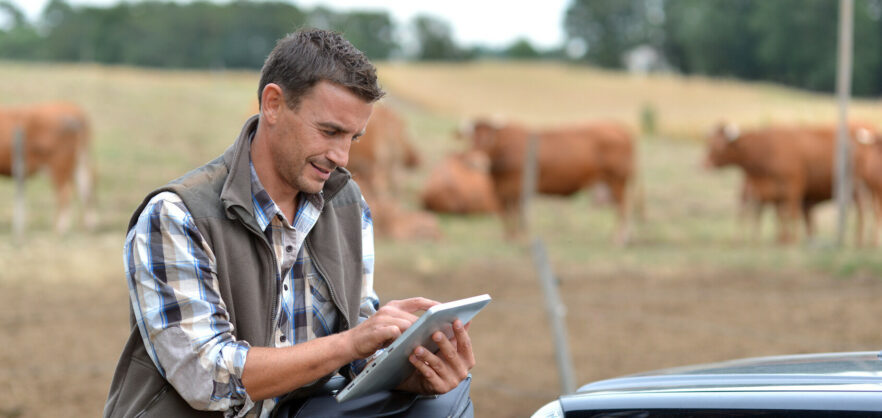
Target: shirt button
[[282, 338], [286, 287], [289, 248]]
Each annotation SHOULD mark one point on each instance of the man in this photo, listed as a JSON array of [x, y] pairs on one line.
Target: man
[[251, 278]]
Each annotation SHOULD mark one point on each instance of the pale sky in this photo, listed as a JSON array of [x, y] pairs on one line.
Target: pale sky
[[493, 23]]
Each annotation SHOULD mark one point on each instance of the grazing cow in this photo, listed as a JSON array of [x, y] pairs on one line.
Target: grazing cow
[[568, 160], [461, 184], [56, 137], [790, 167], [377, 160]]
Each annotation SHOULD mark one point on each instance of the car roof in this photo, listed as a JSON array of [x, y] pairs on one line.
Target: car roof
[[841, 381]]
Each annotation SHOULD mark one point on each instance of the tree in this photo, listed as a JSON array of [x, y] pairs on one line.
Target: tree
[[711, 37], [611, 27], [521, 49], [18, 39], [434, 39], [371, 32]]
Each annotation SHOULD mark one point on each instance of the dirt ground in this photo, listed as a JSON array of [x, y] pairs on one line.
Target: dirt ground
[[62, 331]]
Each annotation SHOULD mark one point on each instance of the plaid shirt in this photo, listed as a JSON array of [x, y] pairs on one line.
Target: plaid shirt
[[175, 297]]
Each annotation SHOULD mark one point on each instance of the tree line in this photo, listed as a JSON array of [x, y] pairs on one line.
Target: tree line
[[793, 42], [786, 41]]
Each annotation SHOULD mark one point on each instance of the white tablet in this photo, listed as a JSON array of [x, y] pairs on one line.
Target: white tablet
[[391, 367]]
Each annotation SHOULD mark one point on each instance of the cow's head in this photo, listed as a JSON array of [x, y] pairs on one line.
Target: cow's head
[[722, 144], [481, 132]]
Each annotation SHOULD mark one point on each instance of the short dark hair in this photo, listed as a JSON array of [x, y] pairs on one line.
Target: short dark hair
[[303, 58]]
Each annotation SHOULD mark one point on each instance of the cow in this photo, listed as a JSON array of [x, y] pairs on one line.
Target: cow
[[460, 184], [379, 157], [568, 159], [56, 138], [790, 167]]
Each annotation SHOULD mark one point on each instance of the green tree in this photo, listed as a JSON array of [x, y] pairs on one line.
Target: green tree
[[611, 27], [371, 32], [18, 39], [434, 39], [521, 49], [797, 41], [711, 37]]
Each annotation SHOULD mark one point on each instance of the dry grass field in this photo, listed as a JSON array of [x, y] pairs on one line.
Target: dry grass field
[[688, 290]]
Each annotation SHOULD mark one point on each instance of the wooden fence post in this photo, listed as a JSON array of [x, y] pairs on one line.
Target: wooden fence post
[[843, 164], [553, 304], [18, 173], [557, 311], [528, 183]]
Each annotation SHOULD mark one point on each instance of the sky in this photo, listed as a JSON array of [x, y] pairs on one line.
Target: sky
[[492, 23]]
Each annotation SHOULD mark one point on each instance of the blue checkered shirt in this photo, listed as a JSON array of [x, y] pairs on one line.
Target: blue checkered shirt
[[184, 323]]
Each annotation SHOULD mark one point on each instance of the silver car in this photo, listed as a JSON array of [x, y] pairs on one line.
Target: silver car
[[810, 385]]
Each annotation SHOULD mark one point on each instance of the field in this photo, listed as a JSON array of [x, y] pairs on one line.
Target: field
[[689, 289]]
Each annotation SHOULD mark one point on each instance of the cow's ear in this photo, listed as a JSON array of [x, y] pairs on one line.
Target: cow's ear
[[731, 132]]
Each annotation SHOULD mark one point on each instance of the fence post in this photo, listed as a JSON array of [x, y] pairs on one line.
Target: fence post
[[528, 183], [553, 305], [842, 160], [557, 316], [18, 173]]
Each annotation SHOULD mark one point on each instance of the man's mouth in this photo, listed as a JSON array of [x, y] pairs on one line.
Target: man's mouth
[[323, 172]]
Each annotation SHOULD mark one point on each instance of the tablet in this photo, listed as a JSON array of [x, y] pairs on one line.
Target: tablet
[[392, 366]]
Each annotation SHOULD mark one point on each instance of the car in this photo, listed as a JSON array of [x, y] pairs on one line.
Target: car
[[805, 385]]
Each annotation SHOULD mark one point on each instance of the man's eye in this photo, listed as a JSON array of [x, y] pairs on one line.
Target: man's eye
[[330, 132]]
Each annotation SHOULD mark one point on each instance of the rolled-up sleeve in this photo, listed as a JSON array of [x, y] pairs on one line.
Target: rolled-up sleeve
[[185, 325]]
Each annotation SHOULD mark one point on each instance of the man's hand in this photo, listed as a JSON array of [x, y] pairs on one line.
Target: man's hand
[[386, 325], [443, 371]]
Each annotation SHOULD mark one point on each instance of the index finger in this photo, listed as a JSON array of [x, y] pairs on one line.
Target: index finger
[[416, 304]]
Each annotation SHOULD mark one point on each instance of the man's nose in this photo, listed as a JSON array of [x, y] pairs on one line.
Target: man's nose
[[339, 153]]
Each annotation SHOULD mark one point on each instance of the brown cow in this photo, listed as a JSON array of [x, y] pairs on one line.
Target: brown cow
[[56, 137], [569, 159], [377, 160], [461, 184], [790, 167]]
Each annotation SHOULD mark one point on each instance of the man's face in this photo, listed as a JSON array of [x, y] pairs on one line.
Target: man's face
[[314, 138]]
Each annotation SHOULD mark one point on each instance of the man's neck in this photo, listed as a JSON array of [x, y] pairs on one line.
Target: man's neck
[[284, 197]]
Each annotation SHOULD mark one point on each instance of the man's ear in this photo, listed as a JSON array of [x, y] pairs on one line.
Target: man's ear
[[271, 100]]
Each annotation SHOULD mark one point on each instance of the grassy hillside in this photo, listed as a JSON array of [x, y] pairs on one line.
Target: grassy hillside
[[689, 289], [554, 93]]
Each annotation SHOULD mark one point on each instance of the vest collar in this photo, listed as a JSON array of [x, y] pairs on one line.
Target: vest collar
[[237, 187]]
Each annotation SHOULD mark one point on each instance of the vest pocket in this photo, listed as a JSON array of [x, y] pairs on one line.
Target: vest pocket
[[153, 402]]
